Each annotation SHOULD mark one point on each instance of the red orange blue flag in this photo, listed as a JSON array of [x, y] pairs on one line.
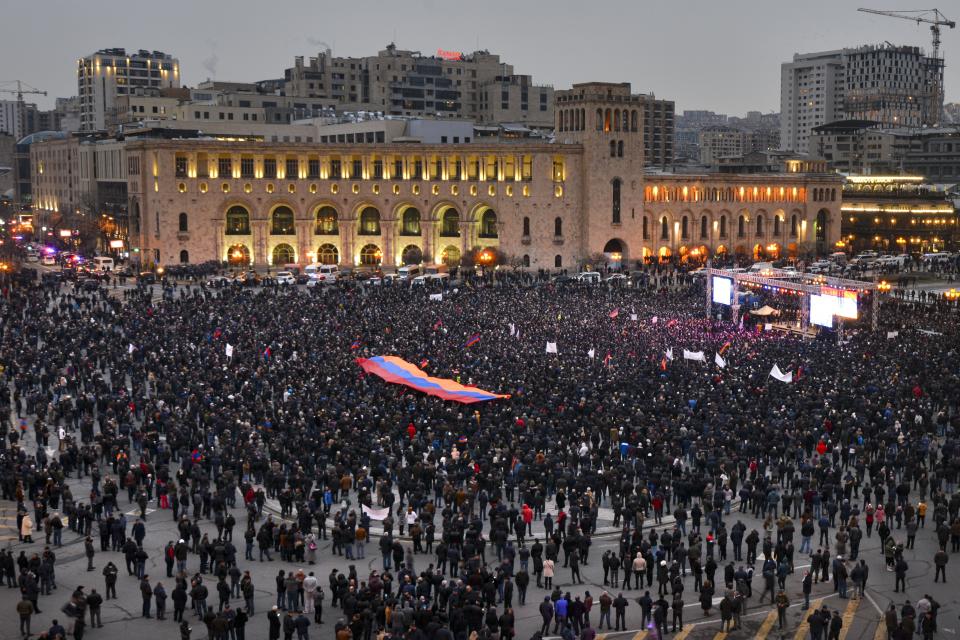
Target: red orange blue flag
[[398, 371]]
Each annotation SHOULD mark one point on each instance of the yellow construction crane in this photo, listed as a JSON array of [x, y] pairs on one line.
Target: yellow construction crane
[[935, 19], [19, 91]]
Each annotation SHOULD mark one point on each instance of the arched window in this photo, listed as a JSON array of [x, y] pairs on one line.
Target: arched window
[[370, 255], [281, 221], [326, 223], [616, 201], [664, 228], [606, 120], [557, 261], [633, 120], [684, 228], [583, 119], [411, 254], [646, 228], [703, 227], [616, 119], [833, 194], [599, 119], [558, 226], [238, 221], [369, 222], [410, 226], [759, 225], [526, 260], [184, 256], [626, 120], [283, 254], [526, 226], [613, 149], [776, 225], [488, 224], [620, 148], [723, 226], [450, 224], [741, 231], [793, 226], [821, 225], [184, 223], [328, 254]]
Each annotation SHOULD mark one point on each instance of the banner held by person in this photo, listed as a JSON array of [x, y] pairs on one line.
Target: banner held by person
[[398, 371]]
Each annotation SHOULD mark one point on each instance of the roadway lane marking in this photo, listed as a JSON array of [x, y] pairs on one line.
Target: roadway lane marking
[[767, 625], [852, 607], [684, 632], [804, 624], [881, 633]]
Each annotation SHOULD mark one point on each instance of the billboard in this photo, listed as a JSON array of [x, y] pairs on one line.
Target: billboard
[[821, 310], [722, 290]]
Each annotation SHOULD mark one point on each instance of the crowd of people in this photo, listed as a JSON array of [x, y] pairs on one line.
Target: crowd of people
[[242, 415]]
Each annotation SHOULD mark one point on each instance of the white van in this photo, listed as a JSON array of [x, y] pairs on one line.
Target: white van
[[103, 263], [433, 269], [408, 272], [589, 277], [761, 266]]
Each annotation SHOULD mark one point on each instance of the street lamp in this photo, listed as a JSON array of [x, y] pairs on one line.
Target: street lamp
[[883, 287]]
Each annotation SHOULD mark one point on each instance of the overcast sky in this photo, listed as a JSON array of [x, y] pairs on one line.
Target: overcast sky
[[724, 56]]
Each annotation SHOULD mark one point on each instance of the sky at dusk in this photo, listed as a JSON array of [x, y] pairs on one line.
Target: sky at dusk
[[722, 56]]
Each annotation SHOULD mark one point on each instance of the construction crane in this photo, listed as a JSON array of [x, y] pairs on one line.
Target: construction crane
[[935, 19], [21, 109]]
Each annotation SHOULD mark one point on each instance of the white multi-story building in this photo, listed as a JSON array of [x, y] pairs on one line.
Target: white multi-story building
[[811, 94], [11, 118], [893, 85], [109, 73]]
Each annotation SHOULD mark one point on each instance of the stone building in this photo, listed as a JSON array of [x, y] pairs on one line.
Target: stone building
[[584, 198]]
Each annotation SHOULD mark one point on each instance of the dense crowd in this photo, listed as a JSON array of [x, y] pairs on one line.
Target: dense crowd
[[466, 505]]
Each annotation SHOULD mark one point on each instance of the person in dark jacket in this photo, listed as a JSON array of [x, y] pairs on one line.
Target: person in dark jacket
[[160, 595], [273, 617], [179, 597], [94, 601], [146, 592]]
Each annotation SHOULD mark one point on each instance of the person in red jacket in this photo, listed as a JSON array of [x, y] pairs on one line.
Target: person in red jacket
[[527, 514]]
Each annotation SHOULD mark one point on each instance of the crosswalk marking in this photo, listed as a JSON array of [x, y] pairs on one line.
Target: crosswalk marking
[[767, 625], [852, 607], [804, 625], [684, 632], [881, 633], [720, 635], [640, 635]]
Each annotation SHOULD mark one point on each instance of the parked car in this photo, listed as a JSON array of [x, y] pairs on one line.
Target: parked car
[[89, 284], [285, 277]]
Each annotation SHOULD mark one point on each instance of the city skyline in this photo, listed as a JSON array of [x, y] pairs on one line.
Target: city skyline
[[728, 59]]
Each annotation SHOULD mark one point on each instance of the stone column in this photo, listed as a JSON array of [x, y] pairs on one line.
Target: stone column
[[219, 248], [304, 235], [259, 242]]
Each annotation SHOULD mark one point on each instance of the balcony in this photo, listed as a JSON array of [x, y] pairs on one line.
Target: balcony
[[525, 240], [558, 240]]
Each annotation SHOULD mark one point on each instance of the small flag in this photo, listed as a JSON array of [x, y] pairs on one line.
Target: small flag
[[472, 340], [741, 320], [654, 320], [720, 361], [694, 355], [799, 371], [672, 323], [266, 353], [780, 375], [229, 350], [437, 324], [552, 347], [437, 297], [217, 333], [613, 314], [424, 363], [663, 363], [354, 345], [131, 348], [591, 353], [513, 329], [607, 359], [669, 353], [633, 317], [892, 334], [726, 345]]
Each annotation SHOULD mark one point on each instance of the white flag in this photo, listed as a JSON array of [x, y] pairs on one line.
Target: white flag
[[591, 353], [892, 334], [376, 514], [513, 328], [552, 347], [654, 320], [130, 348], [780, 375], [436, 296], [633, 317], [720, 361], [229, 350], [767, 326], [669, 353], [694, 355]]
